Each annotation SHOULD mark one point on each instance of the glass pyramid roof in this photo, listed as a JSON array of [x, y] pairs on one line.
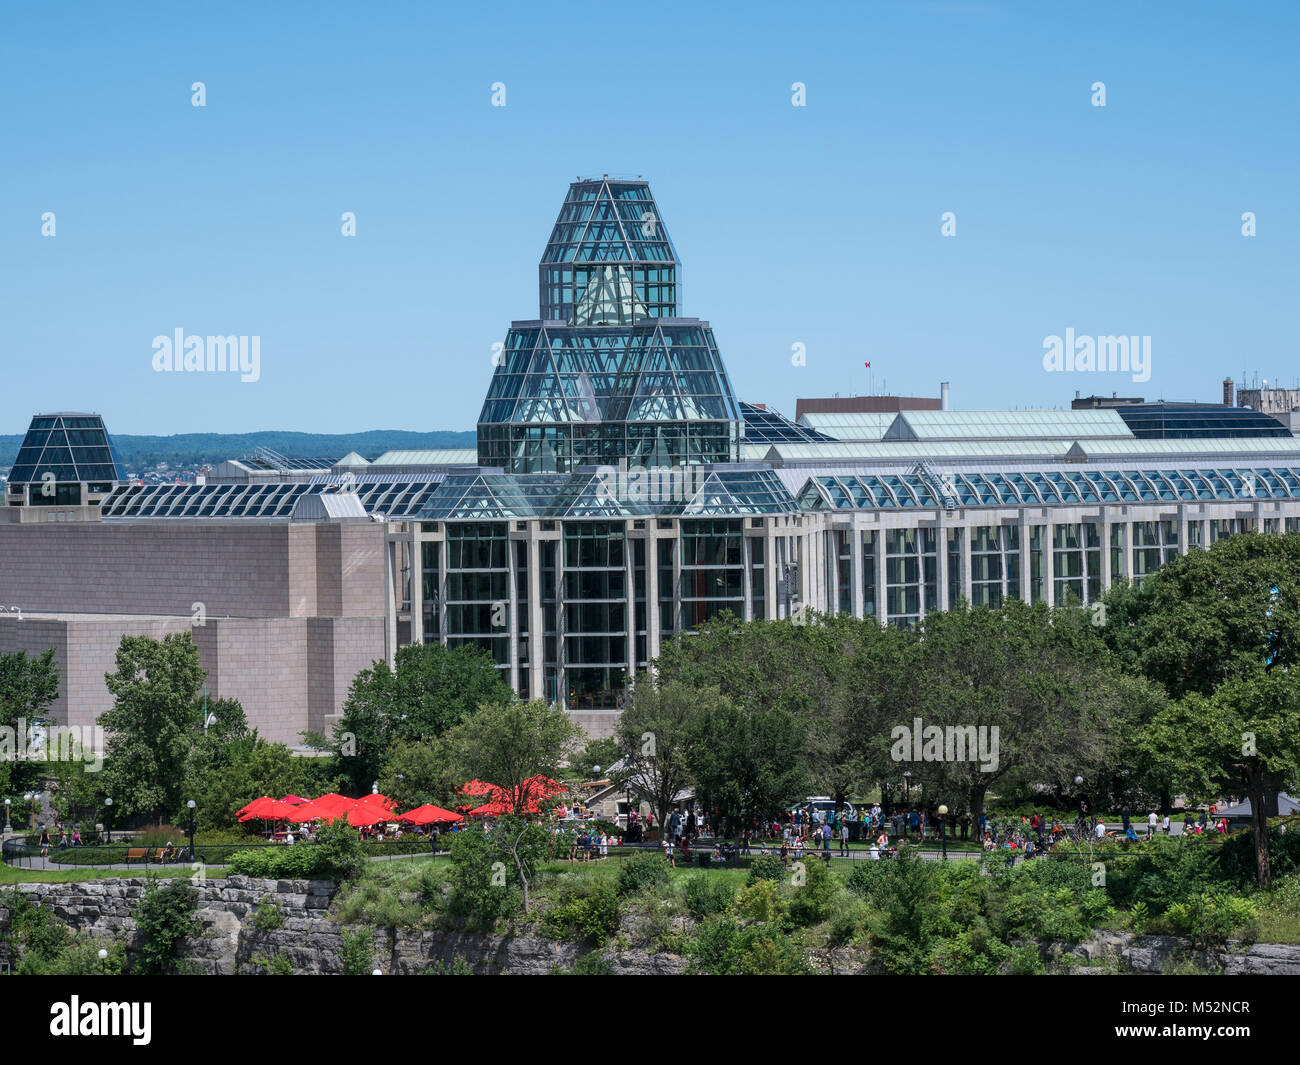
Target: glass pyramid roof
[[73, 448], [605, 220], [657, 370], [1021, 487], [603, 494]]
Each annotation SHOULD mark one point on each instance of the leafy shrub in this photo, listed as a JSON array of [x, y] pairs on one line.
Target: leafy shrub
[[1211, 916], [585, 910], [812, 900], [706, 895], [1237, 852], [268, 916], [902, 917], [765, 867], [848, 922], [484, 887], [721, 947], [760, 901], [975, 951], [1168, 871], [641, 871], [382, 898], [865, 878], [358, 954], [593, 964], [164, 917], [337, 854]]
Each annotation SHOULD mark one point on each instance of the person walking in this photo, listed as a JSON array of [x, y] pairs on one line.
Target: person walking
[[844, 840], [1152, 821], [45, 842]]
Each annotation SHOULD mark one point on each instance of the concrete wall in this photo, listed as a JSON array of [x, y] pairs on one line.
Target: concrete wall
[[290, 611], [236, 569]]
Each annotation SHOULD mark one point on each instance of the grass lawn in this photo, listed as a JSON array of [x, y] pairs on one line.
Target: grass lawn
[[12, 875]]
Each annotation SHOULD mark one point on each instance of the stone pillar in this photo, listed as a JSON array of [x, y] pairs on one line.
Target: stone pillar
[[390, 603], [536, 635], [967, 590], [417, 585], [856, 598], [882, 604]]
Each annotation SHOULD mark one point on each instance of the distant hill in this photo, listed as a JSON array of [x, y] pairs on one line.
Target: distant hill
[[201, 449]]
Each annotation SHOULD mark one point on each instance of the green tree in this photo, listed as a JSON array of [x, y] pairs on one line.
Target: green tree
[[1042, 677], [164, 917], [419, 773], [748, 764], [27, 688], [1246, 736], [431, 689], [603, 753], [155, 722], [1212, 615], [654, 734], [243, 769], [509, 746]]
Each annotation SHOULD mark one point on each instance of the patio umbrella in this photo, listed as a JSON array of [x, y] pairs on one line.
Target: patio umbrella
[[429, 815], [251, 807], [328, 807], [271, 810], [364, 813], [293, 800], [375, 799], [492, 809], [265, 809], [478, 788]]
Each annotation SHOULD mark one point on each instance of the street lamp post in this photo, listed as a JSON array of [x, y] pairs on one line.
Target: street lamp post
[[108, 821], [8, 824], [943, 829], [190, 804]]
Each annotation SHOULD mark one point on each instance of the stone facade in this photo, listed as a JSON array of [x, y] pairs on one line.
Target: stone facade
[[284, 614], [311, 942]]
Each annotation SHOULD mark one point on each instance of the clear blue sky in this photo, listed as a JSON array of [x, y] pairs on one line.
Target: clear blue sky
[[817, 225]]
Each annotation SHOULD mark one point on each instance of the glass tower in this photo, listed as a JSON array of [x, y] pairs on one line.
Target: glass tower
[[64, 460], [609, 372]]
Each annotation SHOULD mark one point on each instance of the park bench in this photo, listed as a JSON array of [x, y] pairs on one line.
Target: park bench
[[137, 854]]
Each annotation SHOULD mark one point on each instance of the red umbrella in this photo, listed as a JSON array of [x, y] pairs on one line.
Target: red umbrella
[[328, 807], [293, 800], [365, 813], [478, 788], [266, 809], [251, 807], [429, 815], [375, 799], [490, 809]]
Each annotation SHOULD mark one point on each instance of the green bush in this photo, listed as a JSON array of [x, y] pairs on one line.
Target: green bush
[[593, 964], [641, 871], [812, 900], [1168, 871], [760, 901], [358, 954], [765, 867], [268, 916], [706, 895], [1237, 852], [485, 887], [164, 917], [336, 854], [721, 947], [585, 910], [1211, 917], [903, 913]]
